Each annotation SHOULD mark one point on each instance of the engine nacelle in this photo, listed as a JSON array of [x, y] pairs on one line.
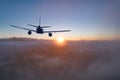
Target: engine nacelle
[[50, 34], [29, 32]]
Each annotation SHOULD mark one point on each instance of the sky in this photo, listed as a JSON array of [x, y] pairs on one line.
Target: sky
[[87, 19]]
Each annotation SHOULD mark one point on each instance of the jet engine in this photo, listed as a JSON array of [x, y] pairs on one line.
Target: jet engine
[[29, 32], [50, 34]]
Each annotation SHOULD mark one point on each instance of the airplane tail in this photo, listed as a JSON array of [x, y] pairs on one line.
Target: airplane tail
[[40, 21]]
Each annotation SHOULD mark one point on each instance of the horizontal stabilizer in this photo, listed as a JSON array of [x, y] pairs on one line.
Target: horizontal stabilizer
[[32, 25], [45, 26]]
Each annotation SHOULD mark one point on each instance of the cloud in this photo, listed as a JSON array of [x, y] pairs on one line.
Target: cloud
[[90, 60]]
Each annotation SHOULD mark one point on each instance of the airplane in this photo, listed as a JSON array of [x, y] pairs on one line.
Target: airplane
[[39, 29]]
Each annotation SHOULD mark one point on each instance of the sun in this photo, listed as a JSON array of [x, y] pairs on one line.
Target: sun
[[60, 40]]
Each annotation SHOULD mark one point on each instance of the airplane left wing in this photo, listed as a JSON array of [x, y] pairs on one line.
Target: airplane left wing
[[22, 28], [56, 31]]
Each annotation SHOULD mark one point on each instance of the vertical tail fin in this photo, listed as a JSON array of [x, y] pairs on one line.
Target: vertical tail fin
[[40, 21]]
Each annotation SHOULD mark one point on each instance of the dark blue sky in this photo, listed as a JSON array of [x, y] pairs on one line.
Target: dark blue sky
[[88, 19]]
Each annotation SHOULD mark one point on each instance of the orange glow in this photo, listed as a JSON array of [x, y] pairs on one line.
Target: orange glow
[[60, 40]]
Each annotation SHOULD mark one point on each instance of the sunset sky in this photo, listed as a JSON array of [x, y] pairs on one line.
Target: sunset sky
[[88, 19]]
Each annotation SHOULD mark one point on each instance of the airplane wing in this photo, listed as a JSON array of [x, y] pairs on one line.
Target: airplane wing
[[56, 31], [22, 28]]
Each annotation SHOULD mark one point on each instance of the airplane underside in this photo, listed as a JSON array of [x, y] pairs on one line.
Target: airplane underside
[[49, 34]]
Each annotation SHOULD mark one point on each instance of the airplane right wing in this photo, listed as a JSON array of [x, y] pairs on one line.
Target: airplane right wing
[[57, 31], [22, 28]]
